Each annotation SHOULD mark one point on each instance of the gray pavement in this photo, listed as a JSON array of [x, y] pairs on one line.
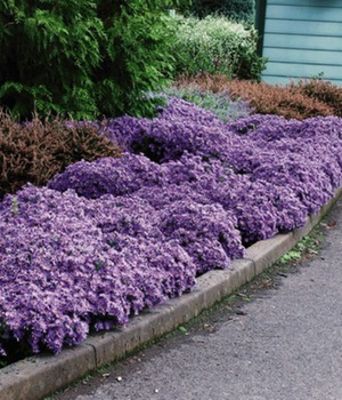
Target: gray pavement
[[286, 344]]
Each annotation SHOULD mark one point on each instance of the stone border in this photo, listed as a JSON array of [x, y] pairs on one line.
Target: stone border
[[37, 377]]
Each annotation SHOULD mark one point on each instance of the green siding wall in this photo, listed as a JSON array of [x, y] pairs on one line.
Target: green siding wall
[[302, 39]]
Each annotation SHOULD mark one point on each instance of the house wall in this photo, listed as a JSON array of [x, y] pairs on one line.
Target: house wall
[[302, 39]]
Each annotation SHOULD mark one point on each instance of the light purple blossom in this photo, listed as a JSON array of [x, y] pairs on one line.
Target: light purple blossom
[[68, 263]]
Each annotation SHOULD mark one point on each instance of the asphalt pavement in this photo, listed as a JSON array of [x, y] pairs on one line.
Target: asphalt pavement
[[279, 341]]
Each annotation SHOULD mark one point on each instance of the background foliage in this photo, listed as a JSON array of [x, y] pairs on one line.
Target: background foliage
[[217, 45], [137, 54], [83, 58], [49, 50], [238, 10]]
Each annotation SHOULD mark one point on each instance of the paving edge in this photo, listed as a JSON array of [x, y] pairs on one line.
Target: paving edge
[[37, 377]]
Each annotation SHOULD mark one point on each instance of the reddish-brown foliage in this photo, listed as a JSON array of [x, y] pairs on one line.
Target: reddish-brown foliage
[[35, 151], [300, 101], [323, 91]]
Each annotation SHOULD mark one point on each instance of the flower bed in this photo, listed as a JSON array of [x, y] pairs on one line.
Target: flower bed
[[113, 236]]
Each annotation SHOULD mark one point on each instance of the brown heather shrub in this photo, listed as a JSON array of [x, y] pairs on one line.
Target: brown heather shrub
[[298, 101], [36, 151], [268, 99], [323, 91]]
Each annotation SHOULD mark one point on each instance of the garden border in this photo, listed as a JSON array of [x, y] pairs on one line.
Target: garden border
[[38, 376]]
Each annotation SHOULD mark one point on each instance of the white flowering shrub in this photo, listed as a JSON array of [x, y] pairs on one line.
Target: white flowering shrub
[[216, 45]]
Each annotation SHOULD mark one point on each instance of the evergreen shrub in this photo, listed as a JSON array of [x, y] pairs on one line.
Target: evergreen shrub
[[83, 58]]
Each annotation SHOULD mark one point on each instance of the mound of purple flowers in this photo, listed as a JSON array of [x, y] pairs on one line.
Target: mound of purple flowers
[[69, 264], [267, 172], [111, 237]]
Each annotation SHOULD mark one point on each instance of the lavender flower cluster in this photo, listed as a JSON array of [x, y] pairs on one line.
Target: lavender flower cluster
[[68, 263], [108, 238], [268, 172]]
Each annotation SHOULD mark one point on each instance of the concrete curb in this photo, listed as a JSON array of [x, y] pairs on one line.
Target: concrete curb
[[36, 377]]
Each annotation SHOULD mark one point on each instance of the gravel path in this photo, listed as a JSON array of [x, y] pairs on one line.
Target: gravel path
[[285, 344]]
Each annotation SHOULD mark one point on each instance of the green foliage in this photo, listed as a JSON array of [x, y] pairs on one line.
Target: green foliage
[[48, 50], [183, 330], [83, 58], [216, 45], [137, 56], [237, 10], [290, 256], [307, 246]]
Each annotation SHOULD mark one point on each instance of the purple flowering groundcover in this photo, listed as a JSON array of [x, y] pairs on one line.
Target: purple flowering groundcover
[[108, 238]]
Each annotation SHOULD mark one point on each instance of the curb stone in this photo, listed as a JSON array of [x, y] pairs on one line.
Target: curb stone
[[38, 376]]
